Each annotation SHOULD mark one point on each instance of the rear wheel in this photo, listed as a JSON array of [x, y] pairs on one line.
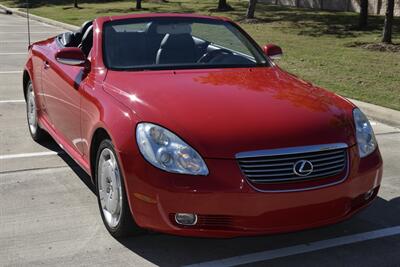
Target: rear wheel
[[111, 193], [37, 133]]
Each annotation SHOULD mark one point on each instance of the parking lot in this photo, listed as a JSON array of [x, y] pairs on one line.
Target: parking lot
[[49, 214]]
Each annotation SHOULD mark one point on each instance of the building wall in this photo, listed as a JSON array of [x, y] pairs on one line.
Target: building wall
[[375, 6]]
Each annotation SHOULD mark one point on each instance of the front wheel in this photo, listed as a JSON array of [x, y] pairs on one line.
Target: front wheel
[[111, 194], [37, 133]]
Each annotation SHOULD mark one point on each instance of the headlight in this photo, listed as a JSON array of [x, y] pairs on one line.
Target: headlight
[[166, 151], [365, 134]]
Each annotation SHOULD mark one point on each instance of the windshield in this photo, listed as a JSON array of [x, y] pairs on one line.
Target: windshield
[[177, 43]]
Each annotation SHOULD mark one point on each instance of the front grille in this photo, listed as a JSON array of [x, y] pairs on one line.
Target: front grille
[[277, 165], [214, 221], [207, 222]]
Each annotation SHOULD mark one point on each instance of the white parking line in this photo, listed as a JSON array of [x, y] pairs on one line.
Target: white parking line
[[12, 101], [299, 249], [55, 32], [12, 41], [18, 53], [10, 71], [31, 155]]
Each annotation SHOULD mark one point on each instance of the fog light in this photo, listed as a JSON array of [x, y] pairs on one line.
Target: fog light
[[186, 218], [369, 194]]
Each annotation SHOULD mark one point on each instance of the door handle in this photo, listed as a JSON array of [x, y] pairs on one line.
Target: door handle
[[46, 65]]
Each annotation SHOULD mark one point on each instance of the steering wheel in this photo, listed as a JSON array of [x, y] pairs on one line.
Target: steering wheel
[[207, 57]]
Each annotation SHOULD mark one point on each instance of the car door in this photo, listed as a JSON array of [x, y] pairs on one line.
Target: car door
[[38, 57], [61, 91]]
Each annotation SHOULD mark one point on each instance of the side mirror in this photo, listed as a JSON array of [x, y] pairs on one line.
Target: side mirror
[[272, 51], [72, 56]]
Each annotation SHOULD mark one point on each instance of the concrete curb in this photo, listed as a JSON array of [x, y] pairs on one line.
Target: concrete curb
[[38, 18], [378, 113], [8, 11]]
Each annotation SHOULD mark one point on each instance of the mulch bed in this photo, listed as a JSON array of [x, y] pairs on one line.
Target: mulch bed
[[381, 47]]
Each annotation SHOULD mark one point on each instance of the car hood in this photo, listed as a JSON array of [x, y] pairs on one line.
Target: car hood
[[224, 112]]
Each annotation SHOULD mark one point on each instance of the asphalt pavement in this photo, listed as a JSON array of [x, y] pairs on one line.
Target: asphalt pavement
[[49, 214]]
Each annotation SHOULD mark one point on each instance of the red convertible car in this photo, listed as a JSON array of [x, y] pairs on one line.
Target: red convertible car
[[188, 127]]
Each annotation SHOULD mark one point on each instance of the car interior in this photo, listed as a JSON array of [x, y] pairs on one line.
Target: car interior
[[74, 39], [156, 44]]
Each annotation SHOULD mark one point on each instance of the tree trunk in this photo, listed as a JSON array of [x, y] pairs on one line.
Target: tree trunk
[[76, 3], [222, 5], [363, 21], [251, 9], [387, 29], [138, 4]]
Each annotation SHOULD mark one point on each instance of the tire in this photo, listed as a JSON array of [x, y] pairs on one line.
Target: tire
[[37, 133], [111, 194]]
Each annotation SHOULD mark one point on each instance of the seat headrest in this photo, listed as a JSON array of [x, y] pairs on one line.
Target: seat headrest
[[85, 26], [176, 41], [87, 41], [87, 33], [151, 27]]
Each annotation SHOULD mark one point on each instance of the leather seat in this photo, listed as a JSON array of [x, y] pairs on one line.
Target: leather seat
[[85, 26], [87, 41], [73, 39], [176, 48], [153, 40]]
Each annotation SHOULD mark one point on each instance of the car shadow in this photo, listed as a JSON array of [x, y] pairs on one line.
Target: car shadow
[[52, 145], [169, 250], [84, 177]]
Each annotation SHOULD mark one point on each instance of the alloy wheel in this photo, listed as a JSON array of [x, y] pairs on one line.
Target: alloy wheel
[[109, 186], [31, 110]]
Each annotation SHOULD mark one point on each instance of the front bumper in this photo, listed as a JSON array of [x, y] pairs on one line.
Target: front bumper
[[228, 206]]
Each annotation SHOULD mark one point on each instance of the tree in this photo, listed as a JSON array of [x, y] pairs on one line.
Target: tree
[[138, 4], [223, 5], [76, 4], [363, 21], [388, 27], [251, 9]]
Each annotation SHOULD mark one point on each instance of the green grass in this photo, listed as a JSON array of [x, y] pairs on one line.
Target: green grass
[[316, 43]]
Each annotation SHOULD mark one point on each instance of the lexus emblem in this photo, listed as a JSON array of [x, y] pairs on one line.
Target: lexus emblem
[[303, 168]]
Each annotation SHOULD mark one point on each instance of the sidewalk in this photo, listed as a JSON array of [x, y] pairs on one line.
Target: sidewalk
[[378, 113]]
